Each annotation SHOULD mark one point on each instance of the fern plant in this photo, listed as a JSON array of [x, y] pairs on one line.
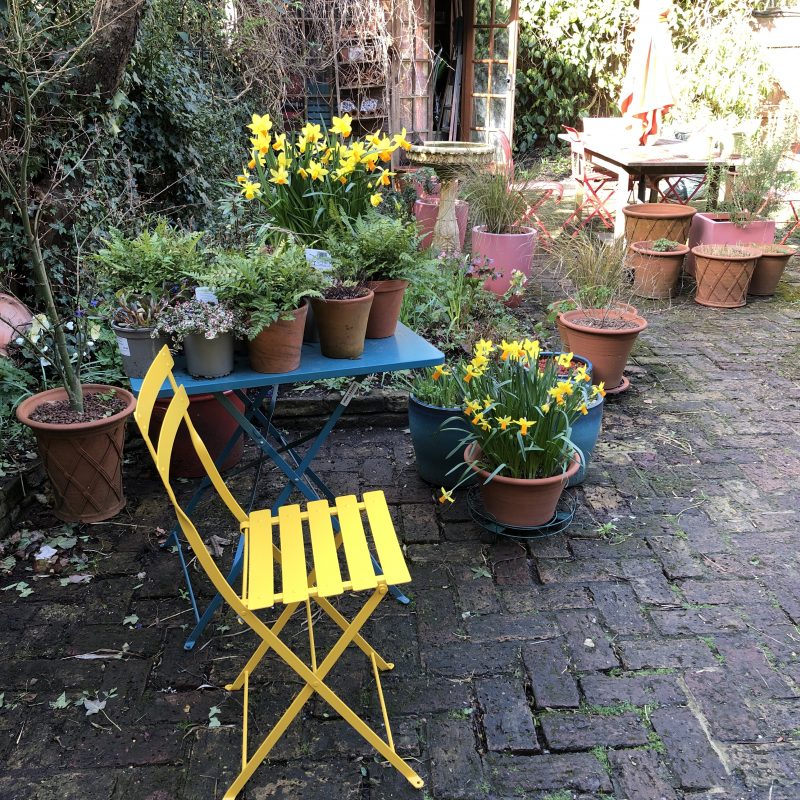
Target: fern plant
[[265, 285]]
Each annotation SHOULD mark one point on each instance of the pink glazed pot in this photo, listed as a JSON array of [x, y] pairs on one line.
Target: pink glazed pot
[[712, 228], [427, 209], [505, 252]]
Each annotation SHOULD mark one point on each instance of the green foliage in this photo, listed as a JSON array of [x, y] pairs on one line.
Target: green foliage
[[664, 246], [495, 201], [15, 386], [440, 391], [265, 285], [379, 248]]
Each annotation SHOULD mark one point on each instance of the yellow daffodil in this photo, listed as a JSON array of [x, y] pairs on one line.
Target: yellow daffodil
[[370, 161], [312, 132], [261, 143], [280, 142], [385, 149], [446, 496], [400, 140], [487, 401], [284, 160], [477, 419], [386, 178], [302, 143], [356, 151], [512, 350], [251, 189], [376, 200], [439, 371], [280, 177], [581, 374], [479, 361], [472, 407], [342, 125], [600, 389], [583, 409], [532, 348], [472, 372], [302, 173], [483, 347], [524, 424], [243, 178], [260, 125], [373, 138], [503, 422], [545, 408], [252, 163], [564, 360], [316, 171], [485, 425]]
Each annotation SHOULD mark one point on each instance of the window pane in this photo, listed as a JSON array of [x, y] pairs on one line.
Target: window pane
[[406, 115], [501, 44], [483, 12], [477, 136], [478, 112], [481, 43], [502, 9], [499, 78], [497, 113], [481, 83]]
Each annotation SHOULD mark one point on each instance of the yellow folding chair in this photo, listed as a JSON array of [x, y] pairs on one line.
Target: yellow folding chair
[[275, 572]]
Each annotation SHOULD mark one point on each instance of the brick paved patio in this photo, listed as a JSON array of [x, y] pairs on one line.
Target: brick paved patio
[[658, 659]]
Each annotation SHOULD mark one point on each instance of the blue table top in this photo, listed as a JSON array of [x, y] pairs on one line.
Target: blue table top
[[404, 350]]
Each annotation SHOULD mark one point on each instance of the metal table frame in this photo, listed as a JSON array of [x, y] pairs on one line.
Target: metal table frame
[[405, 350]]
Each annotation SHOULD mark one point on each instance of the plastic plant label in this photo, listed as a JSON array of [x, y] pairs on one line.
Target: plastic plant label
[[352, 391], [319, 259], [123, 345], [204, 295]]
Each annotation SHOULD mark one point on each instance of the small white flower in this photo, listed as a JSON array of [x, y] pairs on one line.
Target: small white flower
[[70, 326], [45, 349], [90, 342], [19, 340]]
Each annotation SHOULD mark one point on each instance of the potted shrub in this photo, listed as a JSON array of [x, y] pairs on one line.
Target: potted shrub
[[769, 268], [271, 288], [656, 266], [601, 327], [206, 330], [521, 416], [755, 192], [145, 273], [381, 253], [723, 273], [498, 206]]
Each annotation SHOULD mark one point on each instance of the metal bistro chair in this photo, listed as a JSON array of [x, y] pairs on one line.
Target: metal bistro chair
[[276, 574]]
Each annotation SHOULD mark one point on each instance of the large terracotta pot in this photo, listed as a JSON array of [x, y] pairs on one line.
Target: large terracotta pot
[[769, 269], [342, 325], [505, 252], [426, 210], [385, 310], [277, 348], [713, 228], [723, 274], [83, 460], [655, 273], [650, 221], [215, 427], [520, 502], [563, 331], [607, 348]]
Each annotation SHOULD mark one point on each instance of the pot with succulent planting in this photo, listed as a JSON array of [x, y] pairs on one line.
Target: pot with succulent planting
[[521, 408], [656, 266]]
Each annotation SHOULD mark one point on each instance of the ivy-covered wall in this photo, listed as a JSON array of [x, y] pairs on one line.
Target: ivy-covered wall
[[572, 55]]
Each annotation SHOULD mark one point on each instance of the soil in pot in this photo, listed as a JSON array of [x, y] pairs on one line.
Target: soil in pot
[[342, 322], [138, 349], [769, 269], [650, 221], [278, 347], [604, 337], [82, 454], [723, 274], [655, 272], [385, 310], [520, 502]]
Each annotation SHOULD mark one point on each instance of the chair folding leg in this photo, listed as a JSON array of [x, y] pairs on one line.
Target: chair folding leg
[[315, 682]]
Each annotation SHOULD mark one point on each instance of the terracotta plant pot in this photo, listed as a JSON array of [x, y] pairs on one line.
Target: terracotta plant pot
[[277, 348], [769, 269], [385, 310], [83, 460], [646, 222], [520, 502], [607, 348], [713, 228], [426, 210], [342, 325], [723, 275], [505, 252], [209, 358], [15, 318], [563, 331], [655, 273], [138, 348], [215, 427]]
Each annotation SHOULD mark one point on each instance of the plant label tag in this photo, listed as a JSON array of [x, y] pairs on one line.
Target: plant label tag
[[123, 345], [319, 259], [352, 391], [205, 295]]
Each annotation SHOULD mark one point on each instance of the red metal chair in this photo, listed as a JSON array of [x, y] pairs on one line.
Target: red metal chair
[[793, 224], [671, 193]]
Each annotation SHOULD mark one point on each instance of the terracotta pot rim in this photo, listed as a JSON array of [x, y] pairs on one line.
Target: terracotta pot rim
[[786, 253], [561, 476], [387, 285], [30, 404], [697, 251], [522, 230], [363, 298], [659, 211], [641, 322], [641, 248]]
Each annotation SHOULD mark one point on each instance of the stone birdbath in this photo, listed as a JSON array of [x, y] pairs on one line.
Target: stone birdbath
[[449, 160]]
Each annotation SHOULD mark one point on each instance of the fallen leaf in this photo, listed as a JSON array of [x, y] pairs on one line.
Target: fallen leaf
[[93, 706]]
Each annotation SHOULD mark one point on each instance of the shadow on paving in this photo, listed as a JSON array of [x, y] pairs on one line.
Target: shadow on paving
[[655, 659]]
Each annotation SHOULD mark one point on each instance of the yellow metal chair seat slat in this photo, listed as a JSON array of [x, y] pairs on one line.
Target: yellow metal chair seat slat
[[299, 587]]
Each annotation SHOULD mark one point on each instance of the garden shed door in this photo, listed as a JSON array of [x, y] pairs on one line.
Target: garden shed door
[[491, 60]]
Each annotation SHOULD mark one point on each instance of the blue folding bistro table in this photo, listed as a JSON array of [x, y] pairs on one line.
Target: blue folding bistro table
[[405, 350]]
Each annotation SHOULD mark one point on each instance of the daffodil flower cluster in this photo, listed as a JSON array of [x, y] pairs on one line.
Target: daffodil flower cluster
[[521, 404], [309, 181]]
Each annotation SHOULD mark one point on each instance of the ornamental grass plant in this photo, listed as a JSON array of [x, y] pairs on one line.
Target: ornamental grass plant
[[521, 406], [315, 180]]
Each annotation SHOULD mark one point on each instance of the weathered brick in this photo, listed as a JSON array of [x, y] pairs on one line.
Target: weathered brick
[[462, 659], [507, 720], [639, 774], [586, 640], [620, 608], [640, 690], [518, 776], [419, 524], [548, 668], [456, 769], [567, 730], [704, 621], [659, 653], [729, 718], [504, 627], [676, 556]]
